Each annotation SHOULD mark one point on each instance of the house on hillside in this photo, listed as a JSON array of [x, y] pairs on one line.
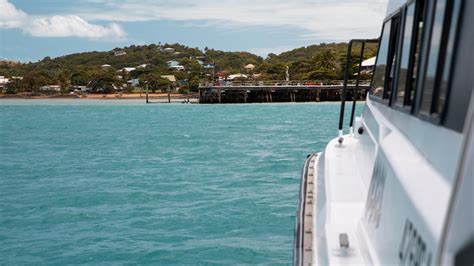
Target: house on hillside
[[78, 89], [168, 50], [142, 66], [171, 78], [3, 82], [178, 68], [50, 89], [119, 53], [237, 76], [249, 67], [368, 65], [173, 63], [127, 69], [133, 82], [105, 66]]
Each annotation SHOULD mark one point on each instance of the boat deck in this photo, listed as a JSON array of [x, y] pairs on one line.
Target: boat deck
[[332, 200]]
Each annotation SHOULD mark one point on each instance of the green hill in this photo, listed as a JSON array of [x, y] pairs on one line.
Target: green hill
[[315, 62]]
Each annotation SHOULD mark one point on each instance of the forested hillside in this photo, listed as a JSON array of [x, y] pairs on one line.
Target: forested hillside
[[315, 62]]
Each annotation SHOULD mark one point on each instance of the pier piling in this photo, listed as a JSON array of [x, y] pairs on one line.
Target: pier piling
[[275, 92]]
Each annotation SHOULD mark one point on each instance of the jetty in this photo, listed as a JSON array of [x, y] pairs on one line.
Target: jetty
[[278, 91]]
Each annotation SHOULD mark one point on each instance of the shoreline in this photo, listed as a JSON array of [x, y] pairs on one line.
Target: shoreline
[[132, 96]]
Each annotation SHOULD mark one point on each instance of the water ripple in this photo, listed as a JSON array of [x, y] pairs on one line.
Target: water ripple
[[122, 182]]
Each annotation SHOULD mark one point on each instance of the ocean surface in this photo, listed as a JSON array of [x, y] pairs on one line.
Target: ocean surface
[[114, 182]]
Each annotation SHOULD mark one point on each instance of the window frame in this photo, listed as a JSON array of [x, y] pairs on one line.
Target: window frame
[[383, 99], [452, 108], [405, 106], [430, 11]]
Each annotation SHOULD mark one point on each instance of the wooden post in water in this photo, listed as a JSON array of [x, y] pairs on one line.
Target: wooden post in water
[[219, 94], [266, 96], [245, 96], [271, 98], [169, 96], [146, 87], [187, 96]]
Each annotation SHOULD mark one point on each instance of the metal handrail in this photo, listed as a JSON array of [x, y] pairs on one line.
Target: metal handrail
[[346, 79]]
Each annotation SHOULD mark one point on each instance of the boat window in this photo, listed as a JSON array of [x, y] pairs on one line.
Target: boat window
[[384, 72], [392, 57], [420, 18], [404, 79], [381, 65], [457, 75], [451, 24], [428, 97]]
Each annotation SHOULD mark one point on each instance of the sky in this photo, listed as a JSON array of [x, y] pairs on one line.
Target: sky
[[33, 29]]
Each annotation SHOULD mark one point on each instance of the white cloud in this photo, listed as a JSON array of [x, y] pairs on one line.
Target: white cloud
[[11, 16], [322, 19], [71, 26], [56, 26]]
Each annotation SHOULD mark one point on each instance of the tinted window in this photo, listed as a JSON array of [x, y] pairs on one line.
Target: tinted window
[[420, 15], [378, 82], [403, 76], [451, 24], [392, 56], [433, 56]]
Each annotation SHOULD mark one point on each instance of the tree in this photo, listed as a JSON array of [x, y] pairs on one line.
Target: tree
[[34, 80], [154, 81], [80, 78], [104, 82], [15, 86], [64, 79], [325, 66], [276, 71]]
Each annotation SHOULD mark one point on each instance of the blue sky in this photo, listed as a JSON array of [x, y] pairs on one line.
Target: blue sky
[[33, 29]]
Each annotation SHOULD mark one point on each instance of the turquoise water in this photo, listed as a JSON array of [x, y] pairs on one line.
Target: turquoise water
[[123, 182]]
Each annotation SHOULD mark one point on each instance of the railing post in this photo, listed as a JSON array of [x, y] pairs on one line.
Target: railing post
[[344, 91], [355, 92]]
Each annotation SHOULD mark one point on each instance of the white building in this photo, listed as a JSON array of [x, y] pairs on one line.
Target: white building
[[51, 88], [120, 53], [3, 82], [178, 68], [368, 65], [249, 67], [173, 63], [171, 78], [134, 82], [127, 69], [236, 76], [168, 50]]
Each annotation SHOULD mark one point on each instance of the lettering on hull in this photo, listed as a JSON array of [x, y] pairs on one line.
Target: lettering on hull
[[373, 206], [413, 249]]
